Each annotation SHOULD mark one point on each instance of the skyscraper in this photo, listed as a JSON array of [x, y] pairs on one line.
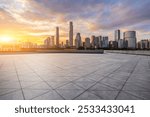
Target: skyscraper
[[67, 43], [49, 42], [130, 37], [105, 42], [87, 43], [93, 41], [57, 36], [120, 43], [100, 42], [144, 44], [78, 42], [52, 42], [117, 35], [71, 34]]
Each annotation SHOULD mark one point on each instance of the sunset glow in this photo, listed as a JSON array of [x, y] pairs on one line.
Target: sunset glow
[[5, 39], [35, 20]]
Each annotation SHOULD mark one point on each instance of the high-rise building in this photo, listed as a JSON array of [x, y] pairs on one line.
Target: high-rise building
[[71, 34], [67, 43], [113, 44], [87, 43], [105, 43], [52, 41], [49, 42], [117, 35], [78, 42], [149, 43], [57, 37], [100, 41], [130, 37], [93, 42], [96, 42], [120, 43], [144, 44]]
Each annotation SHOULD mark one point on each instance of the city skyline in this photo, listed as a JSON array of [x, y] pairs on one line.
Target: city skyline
[[21, 20]]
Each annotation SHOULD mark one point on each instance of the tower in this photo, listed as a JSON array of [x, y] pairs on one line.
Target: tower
[[117, 35], [71, 34], [57, 37], [130, 37], [78, 42]]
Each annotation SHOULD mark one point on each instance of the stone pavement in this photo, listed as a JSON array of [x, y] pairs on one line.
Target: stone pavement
[[74, 76]]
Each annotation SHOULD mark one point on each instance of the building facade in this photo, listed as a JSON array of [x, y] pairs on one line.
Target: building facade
[[130, 37], [71, 34], [120, 43], [117, 35], [57, 36], [49, 42], [105, 42], [78, 41], [144, 44], [87, 43]]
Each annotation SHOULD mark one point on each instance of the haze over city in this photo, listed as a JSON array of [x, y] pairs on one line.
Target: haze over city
[[34, 20]]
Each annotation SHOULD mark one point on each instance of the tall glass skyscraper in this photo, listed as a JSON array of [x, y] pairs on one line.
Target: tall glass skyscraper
[[117, 35], [71, 35], [57, 36]]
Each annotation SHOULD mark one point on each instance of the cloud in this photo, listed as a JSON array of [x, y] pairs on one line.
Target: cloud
[[89, 16], [126, 13]]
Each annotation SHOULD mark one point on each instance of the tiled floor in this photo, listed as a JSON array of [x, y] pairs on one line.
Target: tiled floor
[[74, 76]]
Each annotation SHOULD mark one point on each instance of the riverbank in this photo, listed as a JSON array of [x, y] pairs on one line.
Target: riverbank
[[56, 51]]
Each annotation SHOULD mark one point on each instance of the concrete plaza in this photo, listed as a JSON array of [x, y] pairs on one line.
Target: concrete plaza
[[74, 76]]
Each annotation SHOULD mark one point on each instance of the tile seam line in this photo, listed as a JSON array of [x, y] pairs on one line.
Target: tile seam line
[[80, 78], [128, 82], [19, 79], [98, 82], [134, 95], [40, 95], [10, 92], [42, 79], [128, 78]]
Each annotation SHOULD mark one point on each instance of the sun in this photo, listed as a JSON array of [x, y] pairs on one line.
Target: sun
[[5, 39]]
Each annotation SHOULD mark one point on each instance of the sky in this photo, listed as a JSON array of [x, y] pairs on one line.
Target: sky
[[34, 20]]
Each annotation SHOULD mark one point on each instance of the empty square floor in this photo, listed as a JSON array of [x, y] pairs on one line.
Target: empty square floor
[[74, 77]]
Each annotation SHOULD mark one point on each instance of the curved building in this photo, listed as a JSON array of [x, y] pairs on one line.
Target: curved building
[[130, 37]]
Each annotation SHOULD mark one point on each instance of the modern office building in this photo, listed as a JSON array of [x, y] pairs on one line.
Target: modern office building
[[144, 44], [49, 42], [96, 42], [67, 44], [105, 42], [57, 37], [117, 35], [130, 37], [113, 45], [149, 43], [87, 43], [78, 42], [120, 43], [71, 34], [100, 41], [52, 41], [93, 42]]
